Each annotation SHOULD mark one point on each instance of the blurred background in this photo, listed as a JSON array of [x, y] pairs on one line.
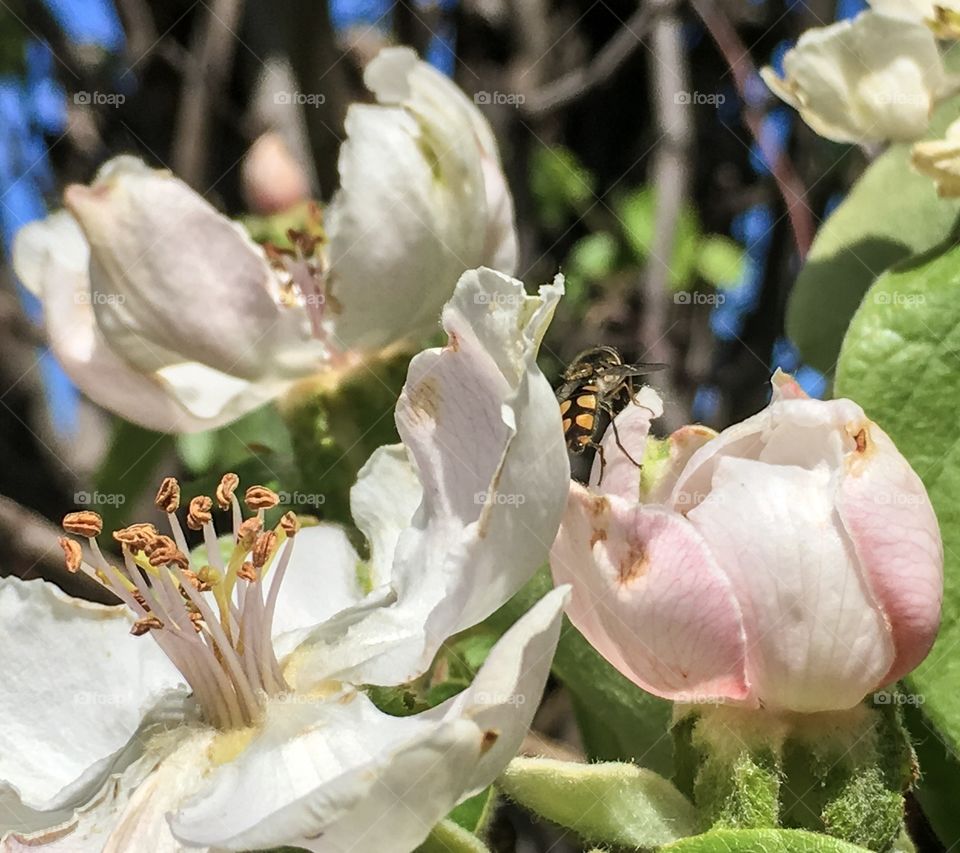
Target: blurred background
[[647, 162]]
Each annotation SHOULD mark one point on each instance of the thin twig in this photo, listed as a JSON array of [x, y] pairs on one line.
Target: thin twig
[[742, 68], [211, 57], [670, 80], [575, 84]]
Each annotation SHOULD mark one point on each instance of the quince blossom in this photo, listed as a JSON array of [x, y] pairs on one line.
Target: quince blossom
[[868, 80], [235, 717], [165, 312], [792, 562]]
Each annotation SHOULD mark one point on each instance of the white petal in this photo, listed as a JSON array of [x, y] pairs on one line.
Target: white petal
[[75, 688], [336, 774], [869, 80], [382, 503], [413, 210], [213, 397], [621, 476], [816, 640], [506, 691], [333, 774], [177, 282], [322, 580], [482, 426], [790, 431], [130, 811], [52, 260]]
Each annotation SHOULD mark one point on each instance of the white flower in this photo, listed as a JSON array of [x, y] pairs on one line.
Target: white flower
[[873, 79], [940, 159], [942, 16], [165, 312], [236, 720]]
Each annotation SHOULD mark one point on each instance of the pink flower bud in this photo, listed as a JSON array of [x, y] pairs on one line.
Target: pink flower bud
[[792, 562]]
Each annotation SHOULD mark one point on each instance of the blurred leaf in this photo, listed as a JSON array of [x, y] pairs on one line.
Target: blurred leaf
[[618, 720], [890, 214], [765, 840], [261, 433], [594, 256], [637, 213], [129, 470], [612, 803], [335, 429], [719, 261], [899, 361], [561, 186]]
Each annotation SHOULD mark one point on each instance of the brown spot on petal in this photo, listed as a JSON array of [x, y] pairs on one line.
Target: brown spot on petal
[[423, 400], [863, 446], [453, 342], [633, 565], [490, 737], [598, 535], [598, 505]]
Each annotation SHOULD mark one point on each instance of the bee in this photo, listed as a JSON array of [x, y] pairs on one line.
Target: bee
[[595, 388]]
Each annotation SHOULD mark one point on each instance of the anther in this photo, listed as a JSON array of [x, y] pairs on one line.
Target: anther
[[84, 523], [168, 495], [147, 623], [228, 485], [263, 548], [290, 524], [208, 576], [168, 555], [137, 537], [199, 512], [260, 497], [247, 532], [72, 554], [247, 571]]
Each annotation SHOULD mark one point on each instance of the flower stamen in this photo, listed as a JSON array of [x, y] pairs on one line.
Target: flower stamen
[[225, 652]]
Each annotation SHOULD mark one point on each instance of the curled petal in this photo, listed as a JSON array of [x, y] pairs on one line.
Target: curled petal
[[174, 281], [422, 199], [52, 756], [52, 259], [891, 523], [869, 80], [650, 598], [625, 447]]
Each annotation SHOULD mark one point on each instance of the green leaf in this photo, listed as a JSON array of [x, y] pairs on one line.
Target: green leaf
[[762, 841], [593, 256], [637, 212], [890, 214], [618, 720], [448, 837], [611, 803], [474, 814], [130, 469], [719, 261], [899, 361], [560, 184]]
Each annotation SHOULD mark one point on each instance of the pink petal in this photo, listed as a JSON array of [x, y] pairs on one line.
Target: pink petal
[[891, 522], [621, 476], [816, 640], [650, 598]]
